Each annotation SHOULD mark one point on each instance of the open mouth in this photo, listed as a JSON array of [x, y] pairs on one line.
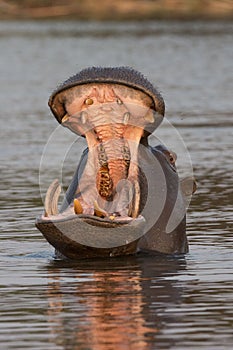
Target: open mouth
[[114, 123], [102, 214]]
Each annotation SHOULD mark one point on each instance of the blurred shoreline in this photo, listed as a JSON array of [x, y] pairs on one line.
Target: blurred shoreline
[[118, 10]]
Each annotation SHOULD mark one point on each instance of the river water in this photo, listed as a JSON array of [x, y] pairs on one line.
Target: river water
[[139, 302]]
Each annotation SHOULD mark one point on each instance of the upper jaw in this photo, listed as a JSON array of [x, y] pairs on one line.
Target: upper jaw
[[84, 235]]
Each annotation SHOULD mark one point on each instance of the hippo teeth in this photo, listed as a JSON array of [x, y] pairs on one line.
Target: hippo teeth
[[51, 198], [78, 209], [99, 211], [109, 183], [134, 205]]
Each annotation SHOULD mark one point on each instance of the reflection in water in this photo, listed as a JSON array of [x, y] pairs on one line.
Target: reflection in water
[[120, 307]]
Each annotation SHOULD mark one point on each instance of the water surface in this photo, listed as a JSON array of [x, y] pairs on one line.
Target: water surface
[[141, 302]]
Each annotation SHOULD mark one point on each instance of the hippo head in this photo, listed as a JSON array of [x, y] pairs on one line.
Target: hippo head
[[115, 109]]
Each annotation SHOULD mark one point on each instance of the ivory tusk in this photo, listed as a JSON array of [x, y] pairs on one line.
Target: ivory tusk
[[51, 198], [65, 118], [77, 207], [98, 211], [134, 205]]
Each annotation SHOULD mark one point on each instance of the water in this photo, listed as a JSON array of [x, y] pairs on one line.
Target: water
[[141, 302]]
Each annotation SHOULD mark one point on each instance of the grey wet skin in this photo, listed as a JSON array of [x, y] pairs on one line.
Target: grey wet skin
[[158, 223]]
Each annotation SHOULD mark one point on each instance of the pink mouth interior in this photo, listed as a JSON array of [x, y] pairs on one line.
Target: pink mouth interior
[[113, 124]]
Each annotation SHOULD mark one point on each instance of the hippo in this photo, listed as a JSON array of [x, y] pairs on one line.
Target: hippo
[[125, 195]]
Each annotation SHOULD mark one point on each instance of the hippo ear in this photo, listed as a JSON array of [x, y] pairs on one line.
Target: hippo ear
[[57, 106], [188, 186]]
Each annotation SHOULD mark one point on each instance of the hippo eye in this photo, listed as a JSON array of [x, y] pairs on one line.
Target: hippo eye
[[119, 102], [89, 101], [172, 157]]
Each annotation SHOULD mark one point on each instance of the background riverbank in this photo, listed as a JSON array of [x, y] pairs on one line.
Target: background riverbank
[[116, 9]]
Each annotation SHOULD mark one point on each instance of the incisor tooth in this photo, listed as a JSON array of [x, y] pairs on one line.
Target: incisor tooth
[[65, 118], [98, 211], [77, 207]]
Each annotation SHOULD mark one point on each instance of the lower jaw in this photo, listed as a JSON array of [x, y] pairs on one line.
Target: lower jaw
[[86, 236], [87, 228], [78, 236]]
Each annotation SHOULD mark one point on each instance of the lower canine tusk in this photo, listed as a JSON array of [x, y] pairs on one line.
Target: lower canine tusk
[[65, 118], [77, 207], [98, 211], [51, 198], [134, 205]]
